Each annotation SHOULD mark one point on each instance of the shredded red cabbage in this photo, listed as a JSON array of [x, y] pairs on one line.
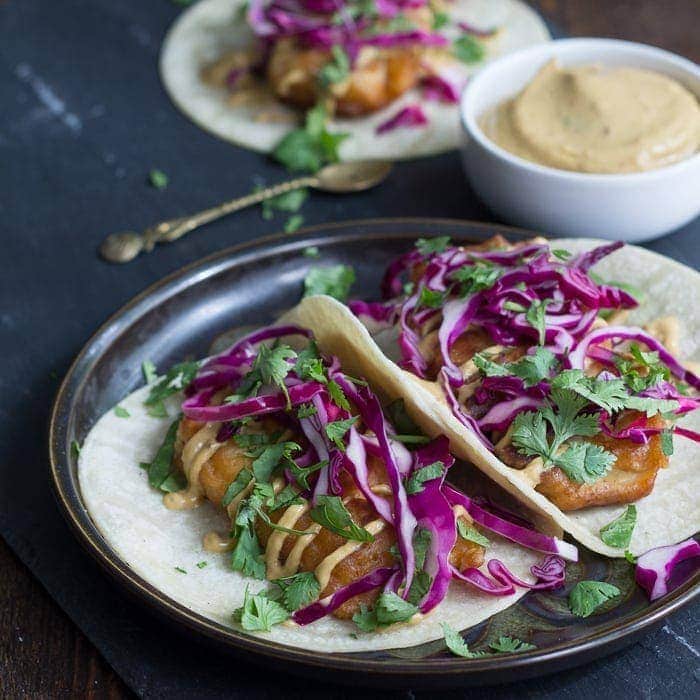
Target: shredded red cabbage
[[409, 116], [655, 568], [437, 88]]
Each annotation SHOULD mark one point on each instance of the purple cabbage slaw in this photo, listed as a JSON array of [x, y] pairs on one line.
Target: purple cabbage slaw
[[431, 508], [655, 568], [527, 275], [323, 24]]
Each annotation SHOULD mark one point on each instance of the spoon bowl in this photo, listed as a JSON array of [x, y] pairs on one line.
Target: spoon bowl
[[352, 177]]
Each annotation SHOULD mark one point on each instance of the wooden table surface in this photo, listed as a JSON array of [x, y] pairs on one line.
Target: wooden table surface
[[42, 653]]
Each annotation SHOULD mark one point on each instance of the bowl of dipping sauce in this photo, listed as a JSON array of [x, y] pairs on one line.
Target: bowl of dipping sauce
[[586, 137]]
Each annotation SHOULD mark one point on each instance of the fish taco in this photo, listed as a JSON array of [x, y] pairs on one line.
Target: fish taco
[[277, 493], [378, 80], [554, 368]]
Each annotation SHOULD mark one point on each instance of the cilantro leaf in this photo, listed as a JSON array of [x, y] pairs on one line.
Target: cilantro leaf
[[334, 281], [305, 410], [175, 379], [121, 412], [294, 223], [667, 442], [285, 498], [298, 590], [511, 645], [536, 317], [431, 298], [259, 613], [651, 406], [312, 251], [585, 463], [336, 430], [158, 179], [365, 619], [311, 147], [469, 532], [587, 596], [534, 368], [301, 474], [271, 363], [440, 20], [389, 609], [419, 587], [337, 69], [149, 371], [618, 532], [330, 513], [202, 564], [468, 49], [289, 202], [611, 395], [530, 435], [630, 557], [161, 466], [428, 246], [247, 555], [476, 277], [338, 395], [457, 645], [244, 477], [270, 458], [561, 254], [414, 483], [488, 367]]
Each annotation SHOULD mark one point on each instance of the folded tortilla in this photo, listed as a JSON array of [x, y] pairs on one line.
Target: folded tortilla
[[667, 515], [159, 544], [211, 28]]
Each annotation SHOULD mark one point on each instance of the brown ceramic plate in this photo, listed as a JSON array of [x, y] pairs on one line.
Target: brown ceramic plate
[[250, 284]]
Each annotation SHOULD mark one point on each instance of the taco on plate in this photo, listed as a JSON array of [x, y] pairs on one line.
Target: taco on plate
[[564, 388], [278, 494], [386, 75]]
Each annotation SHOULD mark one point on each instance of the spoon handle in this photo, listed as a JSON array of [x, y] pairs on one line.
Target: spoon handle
[[168, 231]]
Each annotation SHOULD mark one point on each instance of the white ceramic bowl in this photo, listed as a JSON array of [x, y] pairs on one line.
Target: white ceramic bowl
[[631, 207]]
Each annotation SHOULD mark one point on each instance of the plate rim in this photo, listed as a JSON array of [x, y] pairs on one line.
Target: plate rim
[[451, 670]]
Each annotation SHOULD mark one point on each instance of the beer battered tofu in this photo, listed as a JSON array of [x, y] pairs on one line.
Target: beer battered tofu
[[378, 77], [632, 475]]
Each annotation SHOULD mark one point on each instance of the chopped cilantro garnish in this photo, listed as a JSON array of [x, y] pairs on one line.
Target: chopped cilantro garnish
[[536, 317], [285, 498], [337, 69], [330, 513], [293, 223], [431, 298], [511, 645], [247, 555], [388, 610], [161, 466], [298, 590], [121, 412], [302, 474], [477, 277], [202, 564], [312, 252], [306, 410], [440, 20], [259, 613], [175, 379], [289, 202], [582, 462], [561, 254], [667, 442], [532, 369], [610, 395], [338, 395], [630, 557], [618, 532], [244, 477], [270, 458], [587, 596], [469, 532], [457, 645], [428, 246], [419, 587], [334, 281], [149, 371], [468, 49], [312, 146], [179, 569], [509, 305], [158, 179], [414, 483], [336, 430], [75, 449]]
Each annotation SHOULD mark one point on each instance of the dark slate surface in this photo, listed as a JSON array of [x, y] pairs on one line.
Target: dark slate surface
[[83, 120]]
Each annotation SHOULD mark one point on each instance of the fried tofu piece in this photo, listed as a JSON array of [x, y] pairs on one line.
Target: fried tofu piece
[[632, 476], [373, 82]]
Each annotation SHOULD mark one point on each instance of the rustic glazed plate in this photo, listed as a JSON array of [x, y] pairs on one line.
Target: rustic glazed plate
[[251, 284]]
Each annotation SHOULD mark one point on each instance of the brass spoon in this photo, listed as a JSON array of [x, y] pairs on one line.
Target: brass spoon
[[340, 177]]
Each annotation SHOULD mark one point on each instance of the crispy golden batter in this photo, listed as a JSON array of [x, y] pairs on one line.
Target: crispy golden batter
[[219, 471], [373, 83], [631, 477]]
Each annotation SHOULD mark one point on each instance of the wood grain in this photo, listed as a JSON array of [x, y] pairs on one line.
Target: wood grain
[[42, 654]]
